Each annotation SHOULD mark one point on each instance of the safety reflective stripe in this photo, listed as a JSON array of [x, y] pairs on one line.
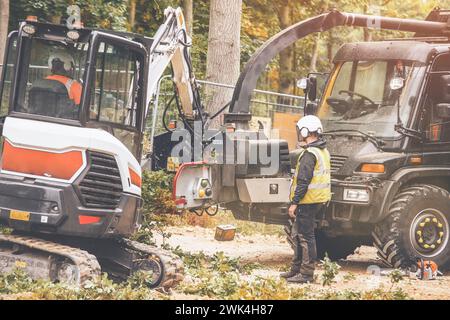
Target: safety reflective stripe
[[68, 85], [319, 185], [320, 160]]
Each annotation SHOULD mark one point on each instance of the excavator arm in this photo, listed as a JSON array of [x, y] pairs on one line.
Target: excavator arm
[[171, 47]]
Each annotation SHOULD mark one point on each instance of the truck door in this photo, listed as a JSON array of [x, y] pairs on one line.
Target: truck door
[[436, 115]]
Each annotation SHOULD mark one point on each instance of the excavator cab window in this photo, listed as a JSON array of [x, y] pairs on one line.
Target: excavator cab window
[[116, 90], [49, 81], [116, 86], [7, 75]]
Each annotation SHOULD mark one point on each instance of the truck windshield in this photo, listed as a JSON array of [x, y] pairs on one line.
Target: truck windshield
[[359, 97], [49, 80]]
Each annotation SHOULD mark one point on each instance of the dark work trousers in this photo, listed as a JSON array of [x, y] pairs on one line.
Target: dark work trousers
[[305, 251]]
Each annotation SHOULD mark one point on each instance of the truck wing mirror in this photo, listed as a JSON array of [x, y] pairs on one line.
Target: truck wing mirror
[[302, 83], [309, 87], [312, 91]]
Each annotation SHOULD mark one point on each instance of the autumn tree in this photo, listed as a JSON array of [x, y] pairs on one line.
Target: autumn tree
[[4, 17], [284, 11], [188, 8]]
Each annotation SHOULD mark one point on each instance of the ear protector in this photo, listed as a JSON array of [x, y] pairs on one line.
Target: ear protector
[[304, 132]]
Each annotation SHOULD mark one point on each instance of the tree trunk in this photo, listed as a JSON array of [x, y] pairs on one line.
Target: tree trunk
[[188, 15], [4, 17], [223, 59], [315, 54], [132, 15], [330, 43], [287, 55]]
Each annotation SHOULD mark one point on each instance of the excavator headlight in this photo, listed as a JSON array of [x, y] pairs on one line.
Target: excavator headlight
[[29, 29]]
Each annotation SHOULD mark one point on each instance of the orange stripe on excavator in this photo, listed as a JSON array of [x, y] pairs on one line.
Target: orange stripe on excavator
[[41, 163], [135, 178]]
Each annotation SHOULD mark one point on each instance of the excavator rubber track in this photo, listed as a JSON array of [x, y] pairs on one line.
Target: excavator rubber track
[[87, 266], [172, 265]]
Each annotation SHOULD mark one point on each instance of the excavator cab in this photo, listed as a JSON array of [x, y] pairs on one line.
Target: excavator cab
[[72, 109], [107, 93]]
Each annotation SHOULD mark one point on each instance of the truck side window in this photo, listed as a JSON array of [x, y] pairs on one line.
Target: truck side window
[[437, 112]]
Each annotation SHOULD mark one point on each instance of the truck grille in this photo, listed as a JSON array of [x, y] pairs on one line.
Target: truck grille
[[101, 187], [337, 162]]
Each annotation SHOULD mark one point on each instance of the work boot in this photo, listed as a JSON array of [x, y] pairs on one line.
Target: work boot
[[300, 278], [289, 274]]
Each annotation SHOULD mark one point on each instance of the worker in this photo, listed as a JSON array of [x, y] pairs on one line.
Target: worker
[[62, 67], [309, 194]]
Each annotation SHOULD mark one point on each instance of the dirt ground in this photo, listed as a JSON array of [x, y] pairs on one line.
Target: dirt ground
[[273, 253]]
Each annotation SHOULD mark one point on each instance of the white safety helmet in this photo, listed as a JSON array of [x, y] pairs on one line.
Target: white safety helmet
[[67, 61], [308, 124]]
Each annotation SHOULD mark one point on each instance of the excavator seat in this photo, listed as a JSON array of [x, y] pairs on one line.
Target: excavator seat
[[50, 98]]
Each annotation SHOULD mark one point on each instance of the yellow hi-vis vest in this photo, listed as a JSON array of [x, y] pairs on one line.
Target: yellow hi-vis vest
[[319, 189]]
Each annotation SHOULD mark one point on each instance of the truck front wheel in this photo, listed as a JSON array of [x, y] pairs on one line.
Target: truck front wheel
[[417, 226]]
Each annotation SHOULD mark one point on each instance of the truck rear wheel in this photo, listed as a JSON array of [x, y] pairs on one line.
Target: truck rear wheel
[[417, 227]]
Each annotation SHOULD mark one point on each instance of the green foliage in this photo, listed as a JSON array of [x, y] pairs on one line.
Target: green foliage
[[14, 282], [18, 285], [157, 192], [263, 289], [217, 277], [157, 197], [377, 294], [349, 277], [330, 271], [395, 276], [5, 230], [106, 14]]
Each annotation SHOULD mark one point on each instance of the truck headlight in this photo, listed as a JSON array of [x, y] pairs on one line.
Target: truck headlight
[[358, 195]]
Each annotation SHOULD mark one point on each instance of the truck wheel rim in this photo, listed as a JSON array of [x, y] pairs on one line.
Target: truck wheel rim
[[429, 232]]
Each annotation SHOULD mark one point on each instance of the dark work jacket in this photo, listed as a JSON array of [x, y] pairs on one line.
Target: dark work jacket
[[306, 170]]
